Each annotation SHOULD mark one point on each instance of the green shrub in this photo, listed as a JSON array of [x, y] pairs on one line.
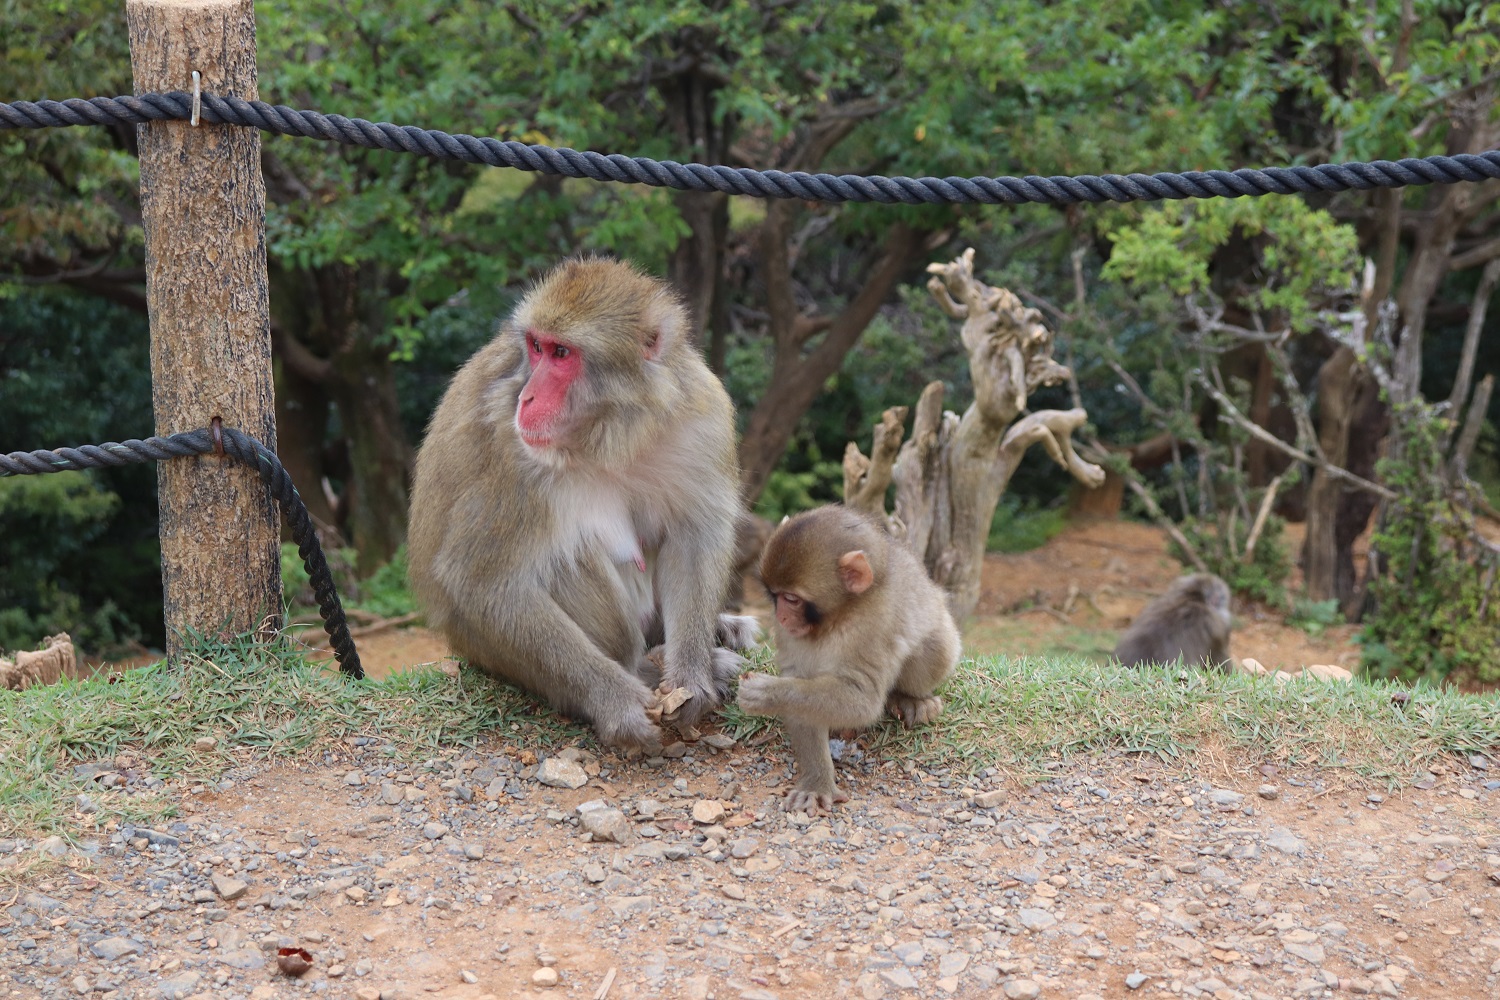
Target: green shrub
[[1019, 526], [1313, 617], [1436, 611]]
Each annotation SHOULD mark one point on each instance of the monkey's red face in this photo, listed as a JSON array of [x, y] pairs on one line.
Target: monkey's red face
[[541, 412], [797, 615]]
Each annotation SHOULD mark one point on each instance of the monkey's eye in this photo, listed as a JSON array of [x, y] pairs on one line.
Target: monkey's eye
[[559, 351], [536, 345], [791, 599]]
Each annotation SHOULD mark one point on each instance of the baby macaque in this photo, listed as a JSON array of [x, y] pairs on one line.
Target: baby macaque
[[1190, 621], [859, 628]]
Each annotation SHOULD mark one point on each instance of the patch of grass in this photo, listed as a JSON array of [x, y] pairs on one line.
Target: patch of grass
[[262, 702], [1314, 617], [1017, 714], [257, 701], [1018, 528]]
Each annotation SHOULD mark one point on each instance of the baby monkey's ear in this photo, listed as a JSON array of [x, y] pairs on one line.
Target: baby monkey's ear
[[855, 572]]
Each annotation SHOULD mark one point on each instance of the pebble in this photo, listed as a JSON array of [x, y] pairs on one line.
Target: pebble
[[708, 811], [229, 888], [1268, 792], [1135, 981], [558, 772], [1022, 989], [545, 976]]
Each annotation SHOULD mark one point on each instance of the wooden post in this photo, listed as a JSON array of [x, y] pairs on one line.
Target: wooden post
[[203, 203]]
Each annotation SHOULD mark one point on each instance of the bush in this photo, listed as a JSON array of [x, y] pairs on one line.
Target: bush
[[1263, 579], [1435, 609], [1020, 526]]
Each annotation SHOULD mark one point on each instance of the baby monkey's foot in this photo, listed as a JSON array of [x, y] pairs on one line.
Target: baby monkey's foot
[[913, 710], [815, 800]]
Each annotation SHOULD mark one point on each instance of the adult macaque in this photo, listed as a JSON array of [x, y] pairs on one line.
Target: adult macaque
[[1191, 621], [575, 503], [859, 628], [750, 534]]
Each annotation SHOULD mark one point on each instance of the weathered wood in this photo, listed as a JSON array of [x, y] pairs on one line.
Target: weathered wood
[[867, 479], [951, 473], [203, 208]]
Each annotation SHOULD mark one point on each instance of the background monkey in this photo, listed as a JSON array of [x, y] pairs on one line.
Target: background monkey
[[1191, 620], [575, 502], [859, 628]]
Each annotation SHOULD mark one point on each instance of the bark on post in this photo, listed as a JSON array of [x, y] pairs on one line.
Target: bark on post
[[203, 206], [950, 475]]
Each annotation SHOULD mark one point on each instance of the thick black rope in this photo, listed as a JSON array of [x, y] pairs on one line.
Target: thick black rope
[[756, 183], [243, 448]]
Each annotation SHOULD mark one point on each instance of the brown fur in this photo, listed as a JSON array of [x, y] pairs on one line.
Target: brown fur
[[885, 647], [1191, 621], [526, 559]]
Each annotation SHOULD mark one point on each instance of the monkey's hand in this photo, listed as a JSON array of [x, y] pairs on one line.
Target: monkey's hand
[[738, 631], [912, 710], [758, 694], [708, 692], [815, 800], [631, 730]]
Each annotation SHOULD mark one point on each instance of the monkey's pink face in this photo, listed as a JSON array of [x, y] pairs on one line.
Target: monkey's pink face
[[541, 412], [795, 614]]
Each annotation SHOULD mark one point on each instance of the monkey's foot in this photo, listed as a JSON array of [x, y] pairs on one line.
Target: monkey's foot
[[912, 710], [652, 666], [813, 800], [738, 631]]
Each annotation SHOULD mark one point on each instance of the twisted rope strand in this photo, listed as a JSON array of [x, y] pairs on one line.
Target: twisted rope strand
[[1245, 182], [243, 448]]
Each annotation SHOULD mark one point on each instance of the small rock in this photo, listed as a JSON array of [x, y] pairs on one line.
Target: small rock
[[111, 948], [1285, 841], [708, 811], [910, 953], [474, 852], [1135, 981], [179, 987], [743, 848], [229, 888], [545, 976], [733, 891], [1022, 989], [391, 793], [435, 830], [1327, 672], [1268, 792], [953, 963], [990, 799], [899, 977], [559, 773], [1225, 798], [1034, 919], [607, 823], [354, 779]]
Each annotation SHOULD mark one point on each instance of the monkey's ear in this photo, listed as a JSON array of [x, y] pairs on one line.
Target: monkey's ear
[[664, 322], [855, 572]]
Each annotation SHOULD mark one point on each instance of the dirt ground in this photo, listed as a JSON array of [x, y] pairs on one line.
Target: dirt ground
[[492, 874]]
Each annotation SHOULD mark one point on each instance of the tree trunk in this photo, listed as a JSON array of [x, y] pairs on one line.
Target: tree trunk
[[203, 205], [798, 377], [952, 472], [380, 459]]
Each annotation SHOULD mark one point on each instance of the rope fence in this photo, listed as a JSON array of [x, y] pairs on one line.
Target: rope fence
[[282, 120], [243, 448]]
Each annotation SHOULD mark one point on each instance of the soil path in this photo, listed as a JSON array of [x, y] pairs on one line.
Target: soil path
[[467, 878]]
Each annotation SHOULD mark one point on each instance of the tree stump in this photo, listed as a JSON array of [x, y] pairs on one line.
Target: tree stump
[[951, 473]]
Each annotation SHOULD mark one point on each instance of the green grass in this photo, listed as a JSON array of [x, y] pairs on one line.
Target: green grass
[[1018, 715]]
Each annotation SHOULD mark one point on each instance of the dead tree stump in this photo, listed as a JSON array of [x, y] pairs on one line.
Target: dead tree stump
[[953, 470]]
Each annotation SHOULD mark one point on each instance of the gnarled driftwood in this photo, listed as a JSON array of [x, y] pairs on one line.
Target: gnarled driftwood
[[951, 473]]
